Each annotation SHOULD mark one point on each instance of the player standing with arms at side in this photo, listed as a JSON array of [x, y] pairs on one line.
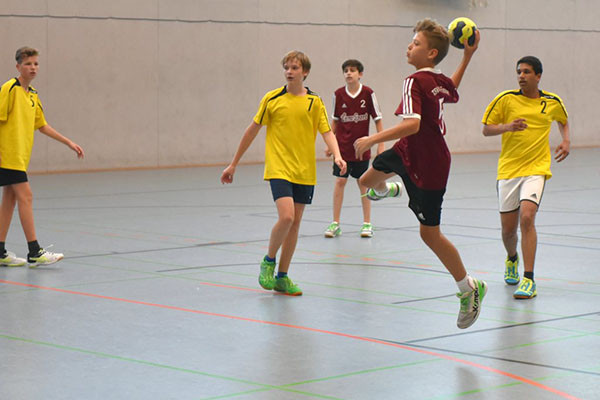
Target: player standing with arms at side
[[524, 117]]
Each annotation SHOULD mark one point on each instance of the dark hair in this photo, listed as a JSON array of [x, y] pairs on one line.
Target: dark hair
[[353, 63], [24, 52], [535, 63]]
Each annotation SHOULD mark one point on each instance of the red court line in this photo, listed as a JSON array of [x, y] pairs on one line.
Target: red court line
[[305, 328]]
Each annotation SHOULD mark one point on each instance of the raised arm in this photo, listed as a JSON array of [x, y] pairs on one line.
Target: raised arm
[[467, 55], [249, 136]]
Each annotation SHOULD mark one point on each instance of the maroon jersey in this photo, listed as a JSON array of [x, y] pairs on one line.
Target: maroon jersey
[[425, 154], [352, 116]]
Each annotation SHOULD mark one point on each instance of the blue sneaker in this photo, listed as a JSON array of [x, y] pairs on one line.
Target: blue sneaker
[[511, 272], [526, 290], [266, 279]]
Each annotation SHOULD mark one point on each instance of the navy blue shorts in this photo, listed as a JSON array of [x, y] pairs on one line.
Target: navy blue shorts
[[302, 194], [354, 169], [426, 204], [12, 177]]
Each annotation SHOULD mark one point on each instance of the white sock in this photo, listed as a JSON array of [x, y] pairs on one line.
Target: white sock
[[466, 284], [384, 193]]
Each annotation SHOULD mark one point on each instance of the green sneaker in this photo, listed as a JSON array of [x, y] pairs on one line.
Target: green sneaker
[[333, 230], [394, 190], [470, 304], [366, 231], [285, 285], [266, 278], [11, 260], [511, 273], [526, 289]]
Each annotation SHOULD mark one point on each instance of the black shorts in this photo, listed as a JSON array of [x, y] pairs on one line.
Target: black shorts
[[12, 176], [426, 204], [354, 169], [300, 193]]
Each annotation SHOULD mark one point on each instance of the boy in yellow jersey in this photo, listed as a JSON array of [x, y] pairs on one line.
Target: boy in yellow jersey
[[21, 113], [524, 118], [292, 114]]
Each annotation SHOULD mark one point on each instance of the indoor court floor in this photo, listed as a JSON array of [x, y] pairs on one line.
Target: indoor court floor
[[157, 297]]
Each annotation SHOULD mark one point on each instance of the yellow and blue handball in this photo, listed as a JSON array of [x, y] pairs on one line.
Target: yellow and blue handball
[[460, 30]]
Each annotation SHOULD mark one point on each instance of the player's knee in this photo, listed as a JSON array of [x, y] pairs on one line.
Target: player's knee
[[527, 221]]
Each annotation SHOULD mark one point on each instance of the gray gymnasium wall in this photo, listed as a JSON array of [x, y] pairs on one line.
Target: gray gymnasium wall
[[158, 83]]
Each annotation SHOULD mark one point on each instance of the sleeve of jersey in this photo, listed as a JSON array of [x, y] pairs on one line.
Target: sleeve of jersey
[[333, 114], [410, 107], [323, 120], [376, 111], [561, 114], [494, 114], [40, 120], [262, 116], [4, 102]]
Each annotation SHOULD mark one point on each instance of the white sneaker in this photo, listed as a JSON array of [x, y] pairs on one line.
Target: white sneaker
[[333, 230], [11, 260], [367, 230], [394, 190], [44, 257], [470, 304]]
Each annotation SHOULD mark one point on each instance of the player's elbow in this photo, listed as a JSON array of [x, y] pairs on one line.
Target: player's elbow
[[486, 131], [414, 124]]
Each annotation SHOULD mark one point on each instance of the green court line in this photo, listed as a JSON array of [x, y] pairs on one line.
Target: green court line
[[495, 387], [164, 366], [363, 372], [542, 342]]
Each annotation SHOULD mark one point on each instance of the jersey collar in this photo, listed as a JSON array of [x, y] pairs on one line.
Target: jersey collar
[[429, 69], [355, 95]]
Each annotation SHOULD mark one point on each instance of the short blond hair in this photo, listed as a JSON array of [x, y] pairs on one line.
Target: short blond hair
[[25, 52], [437, 37], [298, 56]]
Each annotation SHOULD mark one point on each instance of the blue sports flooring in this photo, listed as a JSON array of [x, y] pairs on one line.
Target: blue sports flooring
[[157, 297]]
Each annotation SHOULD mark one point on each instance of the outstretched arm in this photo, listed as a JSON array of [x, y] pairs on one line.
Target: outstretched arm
[[408, 126], [467, 55], [247, 139], [563, 149], [54, 134]]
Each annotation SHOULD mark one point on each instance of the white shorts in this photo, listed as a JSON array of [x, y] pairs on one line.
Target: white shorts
[[511, 192]]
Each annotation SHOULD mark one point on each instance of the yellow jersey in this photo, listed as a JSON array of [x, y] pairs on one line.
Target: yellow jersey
[[21, 114], [292, 123], [527, 152]]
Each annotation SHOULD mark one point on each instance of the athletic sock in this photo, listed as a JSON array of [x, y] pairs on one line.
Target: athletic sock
[[528, 275], [269, 259], [465, 285], [384, 193], [281, 275], [513, 258], [34, 247]]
